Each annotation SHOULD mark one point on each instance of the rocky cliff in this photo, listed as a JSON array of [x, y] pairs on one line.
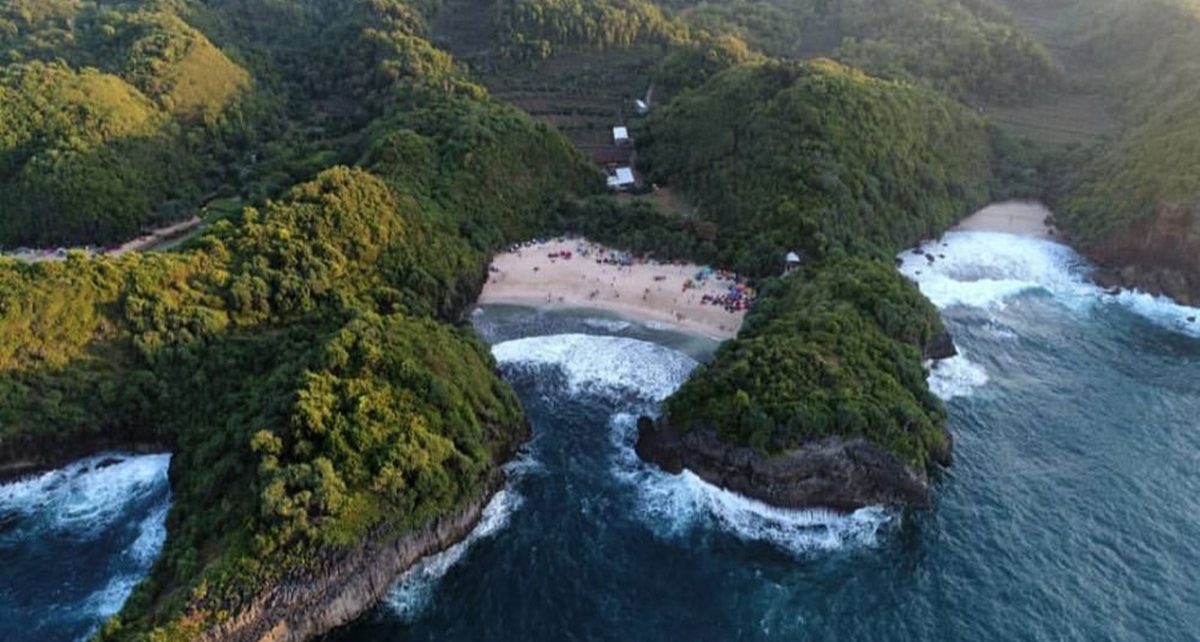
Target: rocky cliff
[[1159, 256], [838, 473], [346, 584]]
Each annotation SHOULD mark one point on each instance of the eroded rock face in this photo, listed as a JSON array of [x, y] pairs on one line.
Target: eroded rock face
[[842, 474], [940, 346], [1160, 256], [344, 585]]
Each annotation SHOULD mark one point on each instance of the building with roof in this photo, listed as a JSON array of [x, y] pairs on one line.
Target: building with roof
[[621, 178], [791, 262]]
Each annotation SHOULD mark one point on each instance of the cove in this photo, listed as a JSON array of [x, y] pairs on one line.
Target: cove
[[1068, 514]]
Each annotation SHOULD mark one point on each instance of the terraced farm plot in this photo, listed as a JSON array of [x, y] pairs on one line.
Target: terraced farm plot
[[584, 94], [1059, 119]]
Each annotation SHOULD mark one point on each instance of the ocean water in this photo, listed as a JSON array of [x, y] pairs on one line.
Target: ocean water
[[1072, 511], [75, 541]]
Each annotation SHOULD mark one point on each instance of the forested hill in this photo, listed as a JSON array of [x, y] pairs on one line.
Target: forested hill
[[969, 49], [846, 170], [1134, 203], [818, 158], [112, 116], [121, 115], [303, 359]]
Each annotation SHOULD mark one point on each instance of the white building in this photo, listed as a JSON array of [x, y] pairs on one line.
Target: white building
[[792, 263], [622, 178]]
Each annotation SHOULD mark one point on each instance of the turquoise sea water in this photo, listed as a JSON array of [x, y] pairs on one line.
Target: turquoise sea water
[[1072, 511]]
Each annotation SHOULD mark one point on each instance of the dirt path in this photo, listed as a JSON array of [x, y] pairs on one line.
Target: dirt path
[[158, 238]]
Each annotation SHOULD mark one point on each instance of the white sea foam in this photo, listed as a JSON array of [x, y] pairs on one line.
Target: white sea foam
[[83, 499], [659, 325], [957, 376], [988, 269], [603, 364], [111, 597], [608, 325], [411, 595], [152, 532], [1162, 311], [673, 505], [999, 330], [985, 269]]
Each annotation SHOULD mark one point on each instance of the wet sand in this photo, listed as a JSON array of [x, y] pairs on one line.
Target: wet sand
[[644, 291], [1024, 218]]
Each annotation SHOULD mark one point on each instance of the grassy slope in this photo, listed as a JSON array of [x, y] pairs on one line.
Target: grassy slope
[[301, 359], [112, 119]]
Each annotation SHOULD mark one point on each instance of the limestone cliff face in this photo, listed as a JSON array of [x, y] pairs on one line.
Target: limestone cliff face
[[837, 473], [345, 584], [1159, 256]]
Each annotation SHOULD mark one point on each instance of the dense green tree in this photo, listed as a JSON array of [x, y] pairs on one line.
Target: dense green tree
[[836, 351], [819, 158]]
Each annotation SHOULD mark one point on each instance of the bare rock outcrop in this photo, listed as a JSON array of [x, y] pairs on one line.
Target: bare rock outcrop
[[842, 474], [345, 584]]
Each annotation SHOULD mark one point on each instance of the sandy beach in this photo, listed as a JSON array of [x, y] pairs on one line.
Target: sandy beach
[[642, 291], [1024, 218]]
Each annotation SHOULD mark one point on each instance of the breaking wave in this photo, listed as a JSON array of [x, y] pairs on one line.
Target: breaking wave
[[82, 510], [603, 364], [87, 497], [986, 269], [675, 505], [989, 269], [412, 594], [608, 325], [955, 377]]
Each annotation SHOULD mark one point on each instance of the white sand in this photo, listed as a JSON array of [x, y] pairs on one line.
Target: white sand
[[529, 277], [1024, 218]]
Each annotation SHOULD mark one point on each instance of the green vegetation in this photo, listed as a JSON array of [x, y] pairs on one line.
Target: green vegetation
[[110, 119], [818, 158], [534, 29], [847, 170], [970, 49], [302, 358], [1152, 52], [834, 351]]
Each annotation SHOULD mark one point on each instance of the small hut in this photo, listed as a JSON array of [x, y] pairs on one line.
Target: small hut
[[622, 178], [791, 262]]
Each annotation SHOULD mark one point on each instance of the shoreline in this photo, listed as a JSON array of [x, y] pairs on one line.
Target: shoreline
[[575, 273], [1017, 217], [617, 311]]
